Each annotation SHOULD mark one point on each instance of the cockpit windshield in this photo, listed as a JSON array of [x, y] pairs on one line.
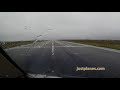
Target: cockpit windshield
[[61, 44]]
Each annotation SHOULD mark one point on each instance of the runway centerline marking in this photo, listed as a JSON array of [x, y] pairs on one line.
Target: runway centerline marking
[[52, 48]]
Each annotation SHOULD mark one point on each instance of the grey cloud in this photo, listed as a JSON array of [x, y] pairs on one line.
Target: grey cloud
[[66, 25]]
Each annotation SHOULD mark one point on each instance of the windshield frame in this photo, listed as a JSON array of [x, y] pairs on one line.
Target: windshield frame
[[12, 62]]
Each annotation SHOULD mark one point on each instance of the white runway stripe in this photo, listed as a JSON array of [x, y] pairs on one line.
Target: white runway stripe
[[52, 48]]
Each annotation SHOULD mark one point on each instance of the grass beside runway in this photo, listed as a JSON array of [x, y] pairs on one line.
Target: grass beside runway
[[114, 44], [11, 44], [14, 44]]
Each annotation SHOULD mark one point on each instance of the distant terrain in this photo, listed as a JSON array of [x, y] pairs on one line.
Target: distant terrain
[[114, 44]]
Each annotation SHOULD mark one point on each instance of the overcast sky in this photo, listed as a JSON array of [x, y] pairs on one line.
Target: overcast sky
[[65, 25]]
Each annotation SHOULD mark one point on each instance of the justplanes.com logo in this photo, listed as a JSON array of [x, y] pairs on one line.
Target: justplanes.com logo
[[90, 68]]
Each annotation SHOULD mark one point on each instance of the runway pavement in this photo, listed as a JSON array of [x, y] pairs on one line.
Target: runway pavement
[[61, 58]]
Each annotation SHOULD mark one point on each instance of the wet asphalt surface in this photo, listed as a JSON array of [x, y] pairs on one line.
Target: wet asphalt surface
[[61, 58]]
